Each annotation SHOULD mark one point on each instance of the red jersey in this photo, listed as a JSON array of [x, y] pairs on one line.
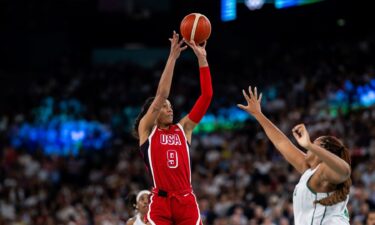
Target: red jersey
[[166, 154]]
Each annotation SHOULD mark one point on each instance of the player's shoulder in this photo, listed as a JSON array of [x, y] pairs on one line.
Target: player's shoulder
[[131, 221], [176, 125]]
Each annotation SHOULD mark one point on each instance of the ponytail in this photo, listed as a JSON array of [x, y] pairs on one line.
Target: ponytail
[[335, 146]]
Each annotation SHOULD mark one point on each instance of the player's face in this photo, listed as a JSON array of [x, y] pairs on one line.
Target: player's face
[[371, 218], [142, 204], [166, 113]]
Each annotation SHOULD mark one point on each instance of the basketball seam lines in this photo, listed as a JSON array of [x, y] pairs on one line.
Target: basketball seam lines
[[195, 24]]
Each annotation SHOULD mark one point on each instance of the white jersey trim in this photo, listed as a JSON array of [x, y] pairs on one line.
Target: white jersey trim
[[149, 211], [138, 220], [149, 154], [199, 212]]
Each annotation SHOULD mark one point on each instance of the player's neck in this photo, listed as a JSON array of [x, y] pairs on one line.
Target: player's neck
[[163, 126]]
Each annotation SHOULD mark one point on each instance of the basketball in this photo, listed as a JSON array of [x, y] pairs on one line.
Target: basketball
[[195, 26]]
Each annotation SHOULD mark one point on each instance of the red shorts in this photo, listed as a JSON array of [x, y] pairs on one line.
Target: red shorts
[[173, 208]]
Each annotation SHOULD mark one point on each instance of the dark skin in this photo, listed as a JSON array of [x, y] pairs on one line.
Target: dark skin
[[332, 169], [142, 208]]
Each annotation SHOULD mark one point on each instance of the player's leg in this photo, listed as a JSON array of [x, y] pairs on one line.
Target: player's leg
[[159, 211], [185, 210]]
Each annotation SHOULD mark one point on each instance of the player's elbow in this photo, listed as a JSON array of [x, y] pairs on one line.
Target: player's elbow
[[163, 94], [208, 95], [343, 175], [346, 173]]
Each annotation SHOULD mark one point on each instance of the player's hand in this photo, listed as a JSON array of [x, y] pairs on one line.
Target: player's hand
[[253, 101], [302, 136], [176, 45], [199, 50]]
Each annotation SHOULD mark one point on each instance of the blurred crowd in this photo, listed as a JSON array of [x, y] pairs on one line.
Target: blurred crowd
[[238, 176]]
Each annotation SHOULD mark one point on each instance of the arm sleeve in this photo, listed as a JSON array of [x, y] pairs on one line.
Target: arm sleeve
[[201, 105]]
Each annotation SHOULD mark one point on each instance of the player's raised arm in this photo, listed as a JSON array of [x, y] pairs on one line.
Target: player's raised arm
[[290, 152], [336, 170], [203, 102], [148, 119]]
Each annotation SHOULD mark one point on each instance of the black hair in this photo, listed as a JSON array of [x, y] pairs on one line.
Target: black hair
[[144, 110], [131, 201]]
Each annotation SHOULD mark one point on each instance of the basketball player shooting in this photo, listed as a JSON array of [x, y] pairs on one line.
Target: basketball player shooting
[[165, 146]]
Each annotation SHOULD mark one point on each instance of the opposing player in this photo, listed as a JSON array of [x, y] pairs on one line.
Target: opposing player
[[165, 146], [141, 206], [321, 195]]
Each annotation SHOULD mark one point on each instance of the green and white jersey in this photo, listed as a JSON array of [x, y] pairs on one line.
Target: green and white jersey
[[308, 213], [138, 220]]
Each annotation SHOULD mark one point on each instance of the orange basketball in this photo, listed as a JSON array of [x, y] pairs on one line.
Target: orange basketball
[[195, 26]]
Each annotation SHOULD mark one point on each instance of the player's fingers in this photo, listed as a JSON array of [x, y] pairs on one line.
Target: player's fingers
[[204, 44], [260, 97], [176, 38], [174, 34], [299, 129], [251, 92], [245, 95], [295, 128], [296, 136], [192, 43], [181, 42], [303, 130], [255, 92], [300, 126], [187, 42], [241, 106], [183, 47]]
